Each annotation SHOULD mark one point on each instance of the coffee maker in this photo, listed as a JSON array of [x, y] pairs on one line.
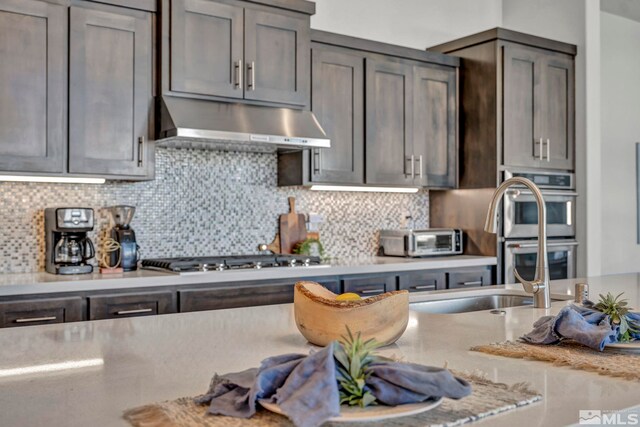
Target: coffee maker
[[122, 233], [68, 248]]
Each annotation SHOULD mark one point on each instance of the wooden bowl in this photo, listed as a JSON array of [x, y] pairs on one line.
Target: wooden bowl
[[322, 319]]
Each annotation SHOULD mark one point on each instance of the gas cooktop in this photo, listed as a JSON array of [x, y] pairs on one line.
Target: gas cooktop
[[230, 262]]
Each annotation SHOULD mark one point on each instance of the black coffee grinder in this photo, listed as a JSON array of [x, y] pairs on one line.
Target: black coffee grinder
[[128, 255], [68, 248]]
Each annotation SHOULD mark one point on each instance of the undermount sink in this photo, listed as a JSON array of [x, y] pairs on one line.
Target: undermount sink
[[472, 303]]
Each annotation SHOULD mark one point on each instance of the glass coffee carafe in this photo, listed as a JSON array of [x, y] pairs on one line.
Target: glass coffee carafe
[[73, 249]]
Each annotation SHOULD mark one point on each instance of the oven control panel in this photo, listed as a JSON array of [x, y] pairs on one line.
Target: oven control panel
[[555, 180]]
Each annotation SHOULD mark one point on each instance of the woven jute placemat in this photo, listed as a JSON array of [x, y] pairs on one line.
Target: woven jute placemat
[[613, 363], [488, 398]]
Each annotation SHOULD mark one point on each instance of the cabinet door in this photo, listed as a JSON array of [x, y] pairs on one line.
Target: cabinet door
[[370, 286], [131, 305], [558, 102], [110, 96], [276, 51], [33, 88], [338, 103], [523, 132], [206, 48], [423, 281], [40, 311], [247, 295], [434, 127], [389, 106]]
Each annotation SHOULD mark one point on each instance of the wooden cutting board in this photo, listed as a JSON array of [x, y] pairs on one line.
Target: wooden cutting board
[[293, 228]]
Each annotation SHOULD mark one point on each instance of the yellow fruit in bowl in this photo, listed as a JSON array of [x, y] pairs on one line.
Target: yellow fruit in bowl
[[348, 296]]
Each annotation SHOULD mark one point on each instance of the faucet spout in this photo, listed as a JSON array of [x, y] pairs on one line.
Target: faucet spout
[[539, 286]]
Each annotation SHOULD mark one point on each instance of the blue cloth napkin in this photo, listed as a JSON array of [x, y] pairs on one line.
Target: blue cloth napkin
[[583, 324], [306, 389]]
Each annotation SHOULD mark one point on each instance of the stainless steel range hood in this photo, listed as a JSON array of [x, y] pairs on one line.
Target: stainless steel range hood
[[187, 122]]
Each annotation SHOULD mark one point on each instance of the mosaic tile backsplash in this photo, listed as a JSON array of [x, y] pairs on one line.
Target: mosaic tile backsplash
[[202, 203]]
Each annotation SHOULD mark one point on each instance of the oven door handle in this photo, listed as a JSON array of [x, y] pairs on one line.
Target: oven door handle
[[535, 245], [526, 192]]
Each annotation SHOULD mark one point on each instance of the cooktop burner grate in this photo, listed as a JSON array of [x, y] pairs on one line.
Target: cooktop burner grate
[[207, 263]]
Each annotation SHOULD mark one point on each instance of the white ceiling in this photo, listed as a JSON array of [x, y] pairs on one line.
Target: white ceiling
[[626, 8]]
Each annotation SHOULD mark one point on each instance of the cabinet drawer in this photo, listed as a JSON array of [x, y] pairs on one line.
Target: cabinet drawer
[[40, 312], [469, 278], [130, 305], [369, 286], [423, 281], [241, 296]]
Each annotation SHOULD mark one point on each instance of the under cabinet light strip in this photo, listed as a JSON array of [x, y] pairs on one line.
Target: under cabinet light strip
[[52, 179], [363, 189]]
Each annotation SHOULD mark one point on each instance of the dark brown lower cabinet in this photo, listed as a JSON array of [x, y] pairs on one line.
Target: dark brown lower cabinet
[[469, 278], [240, 295], [423, 281], [129, 305], [368, 286], [41, 311]]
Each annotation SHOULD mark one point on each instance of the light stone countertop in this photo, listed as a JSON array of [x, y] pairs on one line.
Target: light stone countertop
[[136, 361], [40, 283]]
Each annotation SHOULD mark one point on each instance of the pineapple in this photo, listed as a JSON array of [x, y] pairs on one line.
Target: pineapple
[[617, 311], [353, 356]]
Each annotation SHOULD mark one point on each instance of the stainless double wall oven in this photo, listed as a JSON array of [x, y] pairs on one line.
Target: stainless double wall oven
[[520, 219]]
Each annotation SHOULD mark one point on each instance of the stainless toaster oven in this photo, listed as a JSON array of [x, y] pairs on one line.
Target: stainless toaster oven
[[418, 243]]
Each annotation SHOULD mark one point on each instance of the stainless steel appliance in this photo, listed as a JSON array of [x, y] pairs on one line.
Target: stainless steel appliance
[[520, 229], [68, 248], [186, 122], [418, 243], [229, 262], [520, 211], [521, 255], [127, 256]]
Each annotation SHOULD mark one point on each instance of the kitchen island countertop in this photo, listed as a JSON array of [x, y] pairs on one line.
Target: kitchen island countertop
[[42, 283], [88, 373]]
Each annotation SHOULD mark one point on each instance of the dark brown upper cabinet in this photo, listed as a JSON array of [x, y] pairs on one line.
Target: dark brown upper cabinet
[[110, 91], [389, 111], [207, 45], [276, 51], [237, 50], [435, 126], [337, 95], [537, 89], [517, 104], [411, 124], [389, 118], [33, 92], [77, 91]]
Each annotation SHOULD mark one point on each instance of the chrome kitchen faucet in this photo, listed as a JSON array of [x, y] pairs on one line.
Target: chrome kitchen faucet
[[539, 287]]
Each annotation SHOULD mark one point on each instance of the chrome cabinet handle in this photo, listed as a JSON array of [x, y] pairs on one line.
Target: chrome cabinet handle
[[251, 84], [420, 166], [371, 291], [137, 311], [316, 161], [238, 68], [140, 150], [35, 319], [474, 283], [420, 287], [540, 144], [548, 150]]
